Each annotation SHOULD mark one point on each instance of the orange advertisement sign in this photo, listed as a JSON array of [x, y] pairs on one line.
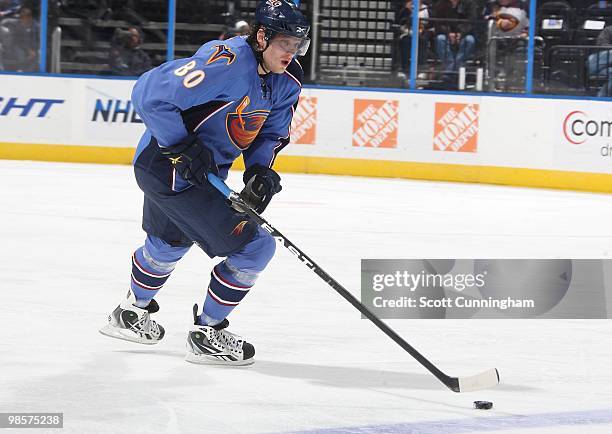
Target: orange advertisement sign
[[304, 123], [456, 127], [375, 123]]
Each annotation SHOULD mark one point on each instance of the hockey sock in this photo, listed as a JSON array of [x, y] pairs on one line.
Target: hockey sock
[[147, 278], [152, 264], [231, 280], [228, 286]]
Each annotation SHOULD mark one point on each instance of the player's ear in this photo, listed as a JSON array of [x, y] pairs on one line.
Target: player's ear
[[261, 39]]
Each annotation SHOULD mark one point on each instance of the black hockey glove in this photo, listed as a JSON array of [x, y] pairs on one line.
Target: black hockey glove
[[261, 183], [192, 160]]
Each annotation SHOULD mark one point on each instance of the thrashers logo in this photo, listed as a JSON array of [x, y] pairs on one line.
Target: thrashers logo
[[456, 127], [243, 127], [375, 123], [304, 123]]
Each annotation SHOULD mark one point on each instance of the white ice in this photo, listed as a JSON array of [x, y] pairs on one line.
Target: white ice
[[67, 232]]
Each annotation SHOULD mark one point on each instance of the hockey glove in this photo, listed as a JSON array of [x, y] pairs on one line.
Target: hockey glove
[[261, 184], [191, 159]]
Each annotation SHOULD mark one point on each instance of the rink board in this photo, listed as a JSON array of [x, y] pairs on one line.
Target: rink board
[[539, 142]]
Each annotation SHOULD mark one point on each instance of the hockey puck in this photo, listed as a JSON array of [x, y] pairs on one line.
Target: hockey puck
[[483, 405]]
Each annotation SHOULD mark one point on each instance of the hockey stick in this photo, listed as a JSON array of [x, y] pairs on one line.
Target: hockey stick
[[483, 380]]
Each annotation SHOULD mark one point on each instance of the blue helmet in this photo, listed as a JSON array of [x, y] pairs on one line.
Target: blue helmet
[[283, 16]]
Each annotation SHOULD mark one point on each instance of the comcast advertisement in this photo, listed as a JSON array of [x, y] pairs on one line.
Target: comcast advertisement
[[584, 138], [487, 288]]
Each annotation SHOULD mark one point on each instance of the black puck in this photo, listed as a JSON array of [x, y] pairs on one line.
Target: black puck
[[483, 405]]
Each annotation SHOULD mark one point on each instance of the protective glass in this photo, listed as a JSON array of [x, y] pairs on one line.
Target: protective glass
[[290, 44]]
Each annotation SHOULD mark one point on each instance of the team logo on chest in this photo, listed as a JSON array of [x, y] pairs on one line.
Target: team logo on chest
[[222, 52], [243, 127]]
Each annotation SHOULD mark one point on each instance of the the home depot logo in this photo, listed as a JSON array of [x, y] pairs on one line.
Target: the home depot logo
[[375, 123], [456, 127], [304, 123]]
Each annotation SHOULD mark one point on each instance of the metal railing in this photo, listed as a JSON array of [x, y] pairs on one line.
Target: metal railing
[[579, 70]]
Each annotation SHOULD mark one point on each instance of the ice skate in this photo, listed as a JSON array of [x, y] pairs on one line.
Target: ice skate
[[214, 345], [134, 324]]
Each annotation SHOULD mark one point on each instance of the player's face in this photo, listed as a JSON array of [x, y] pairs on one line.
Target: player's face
[[281, 50]]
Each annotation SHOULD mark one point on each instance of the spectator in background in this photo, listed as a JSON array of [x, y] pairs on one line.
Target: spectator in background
[[240, 28], [510, 18], [404, 21], [455, 41], [9, 8], [23, 33], [599, 65], [126, 57], [511, 29]]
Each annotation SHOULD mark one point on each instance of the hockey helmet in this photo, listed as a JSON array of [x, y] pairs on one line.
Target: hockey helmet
[[283, 16]]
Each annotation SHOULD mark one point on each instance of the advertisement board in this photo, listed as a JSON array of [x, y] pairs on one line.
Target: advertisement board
[[507, 140]]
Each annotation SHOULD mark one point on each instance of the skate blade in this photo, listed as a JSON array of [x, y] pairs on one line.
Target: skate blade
[[123, 334], [208, 360]]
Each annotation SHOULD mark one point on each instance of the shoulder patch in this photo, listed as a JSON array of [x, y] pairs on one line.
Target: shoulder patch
[[222, 52]]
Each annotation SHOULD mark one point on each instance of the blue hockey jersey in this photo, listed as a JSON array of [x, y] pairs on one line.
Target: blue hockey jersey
[[219, 95]]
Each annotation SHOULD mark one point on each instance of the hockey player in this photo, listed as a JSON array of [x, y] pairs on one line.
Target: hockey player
[[232, 97]]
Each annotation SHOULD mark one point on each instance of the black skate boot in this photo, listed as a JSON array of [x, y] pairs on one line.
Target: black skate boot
[[214, 345], [134, 324]]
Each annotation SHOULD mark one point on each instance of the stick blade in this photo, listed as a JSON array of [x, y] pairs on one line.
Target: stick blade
[[484, 380]]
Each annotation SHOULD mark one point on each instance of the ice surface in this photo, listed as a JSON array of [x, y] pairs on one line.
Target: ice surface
[[67, 232]]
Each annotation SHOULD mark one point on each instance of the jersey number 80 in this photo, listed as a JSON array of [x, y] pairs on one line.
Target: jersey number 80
[[193, 78]]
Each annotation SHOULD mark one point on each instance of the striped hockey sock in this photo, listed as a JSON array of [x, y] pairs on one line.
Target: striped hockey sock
[[225, 292], [148, 276]]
